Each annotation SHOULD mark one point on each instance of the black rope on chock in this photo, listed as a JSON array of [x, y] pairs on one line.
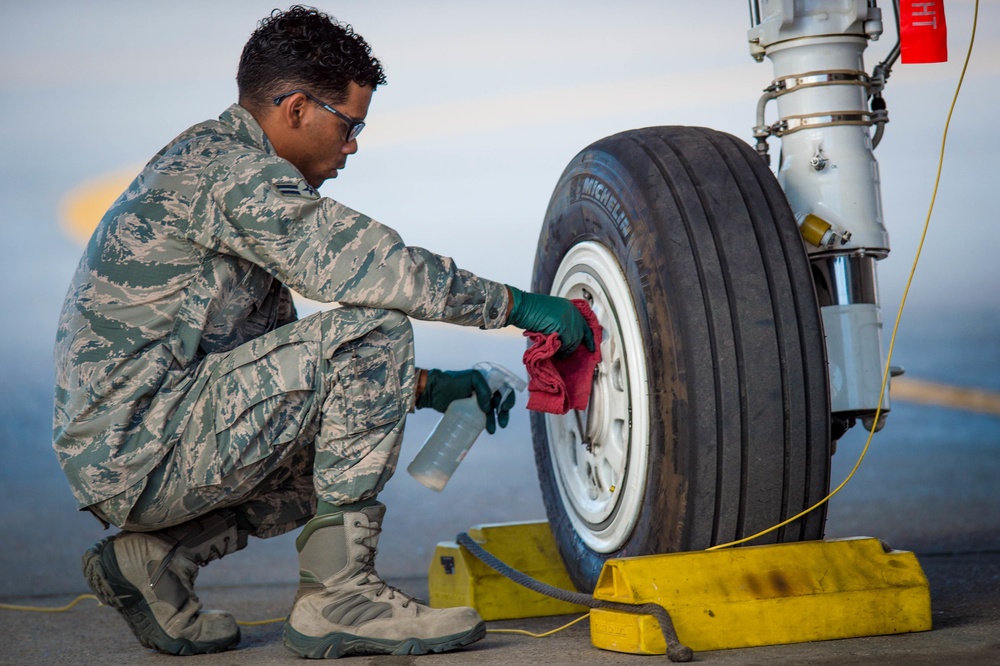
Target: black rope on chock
[[676, 651]]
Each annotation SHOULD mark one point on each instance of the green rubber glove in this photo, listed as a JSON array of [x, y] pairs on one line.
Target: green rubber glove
[[445, 386], [551, 314]]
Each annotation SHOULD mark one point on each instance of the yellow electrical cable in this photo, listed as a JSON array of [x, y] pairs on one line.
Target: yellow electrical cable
[[902, 303], [83, 597], [43, 609], [257, 623], [533, 635]]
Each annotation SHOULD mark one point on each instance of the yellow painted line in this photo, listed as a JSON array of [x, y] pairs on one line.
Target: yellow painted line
[[82, 208], [943, 395]]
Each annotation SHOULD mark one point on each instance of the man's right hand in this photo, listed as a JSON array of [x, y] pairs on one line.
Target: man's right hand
[[442, 387], [550, 314]]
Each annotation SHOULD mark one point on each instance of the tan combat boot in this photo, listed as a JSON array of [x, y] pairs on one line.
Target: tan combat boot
[[148, 577], [343, 608]]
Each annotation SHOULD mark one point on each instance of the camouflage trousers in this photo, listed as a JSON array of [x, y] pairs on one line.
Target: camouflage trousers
[[312, 409]]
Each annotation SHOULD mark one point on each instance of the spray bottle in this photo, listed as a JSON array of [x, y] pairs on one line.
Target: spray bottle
[[458, 429]]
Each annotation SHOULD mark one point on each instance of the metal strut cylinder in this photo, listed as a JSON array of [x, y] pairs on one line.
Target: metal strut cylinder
[[829, 174]]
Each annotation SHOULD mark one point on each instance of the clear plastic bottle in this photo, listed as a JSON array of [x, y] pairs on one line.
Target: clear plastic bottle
[[458, 429]]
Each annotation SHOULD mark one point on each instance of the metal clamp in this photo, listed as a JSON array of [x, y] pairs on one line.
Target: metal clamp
[[796, 82], [825, 119], [837, 77]]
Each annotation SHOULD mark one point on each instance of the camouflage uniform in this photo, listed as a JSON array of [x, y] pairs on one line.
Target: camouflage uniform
[[184, 381]]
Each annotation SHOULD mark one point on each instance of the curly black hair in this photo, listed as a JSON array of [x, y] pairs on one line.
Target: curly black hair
[[304, 48]]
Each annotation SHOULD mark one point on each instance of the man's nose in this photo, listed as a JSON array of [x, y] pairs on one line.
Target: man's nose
[[350, 147]]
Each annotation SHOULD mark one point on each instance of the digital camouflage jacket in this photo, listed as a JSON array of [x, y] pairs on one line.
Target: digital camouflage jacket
[[193, 259]]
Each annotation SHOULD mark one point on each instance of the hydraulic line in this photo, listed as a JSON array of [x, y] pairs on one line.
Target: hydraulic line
[[676, 651], [879, 77]]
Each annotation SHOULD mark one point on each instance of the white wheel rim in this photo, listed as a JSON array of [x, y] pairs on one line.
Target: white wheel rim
[[602, 477]]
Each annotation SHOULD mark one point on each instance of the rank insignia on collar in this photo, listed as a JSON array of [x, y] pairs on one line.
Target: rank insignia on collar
[[296, 188]]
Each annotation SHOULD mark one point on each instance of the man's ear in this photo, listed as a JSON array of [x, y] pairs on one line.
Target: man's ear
[[292, 109]]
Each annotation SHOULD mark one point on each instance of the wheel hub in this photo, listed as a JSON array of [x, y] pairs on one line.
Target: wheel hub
[[599, 455]]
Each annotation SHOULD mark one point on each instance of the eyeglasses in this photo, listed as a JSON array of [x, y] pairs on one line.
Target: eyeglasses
[[354, 127]]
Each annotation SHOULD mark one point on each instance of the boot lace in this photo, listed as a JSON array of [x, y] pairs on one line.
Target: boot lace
[[368, 566]]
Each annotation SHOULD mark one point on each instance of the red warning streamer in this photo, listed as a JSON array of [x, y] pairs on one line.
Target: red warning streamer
[[923, 31]]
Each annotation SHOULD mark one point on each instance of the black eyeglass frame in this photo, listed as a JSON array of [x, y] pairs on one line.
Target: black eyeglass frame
[[354, 126]]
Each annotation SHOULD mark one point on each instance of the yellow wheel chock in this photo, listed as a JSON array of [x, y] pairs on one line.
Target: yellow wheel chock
[[731, 598]]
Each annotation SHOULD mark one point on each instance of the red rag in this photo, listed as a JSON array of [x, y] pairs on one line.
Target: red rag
[[557, 385]]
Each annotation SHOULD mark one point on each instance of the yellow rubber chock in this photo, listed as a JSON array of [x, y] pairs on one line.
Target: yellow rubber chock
[[458, 578], [763, 595]]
